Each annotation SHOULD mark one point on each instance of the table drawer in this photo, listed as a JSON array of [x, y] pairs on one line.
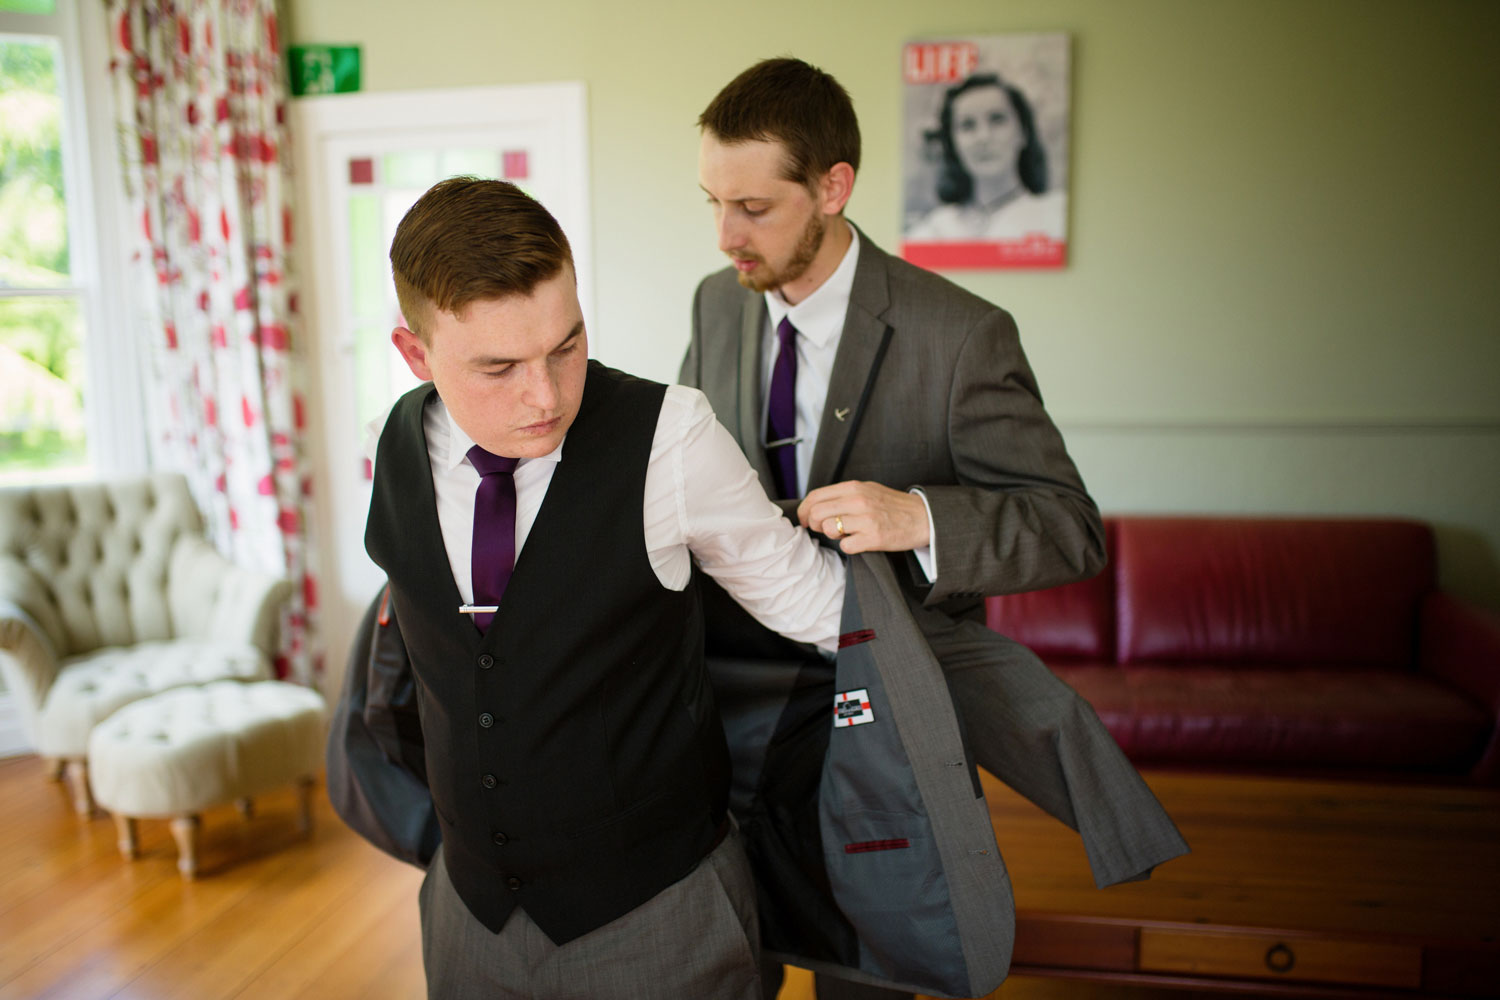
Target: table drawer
[[1257, 955]]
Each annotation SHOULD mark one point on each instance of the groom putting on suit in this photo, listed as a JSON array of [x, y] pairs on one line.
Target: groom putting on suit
[[895, 412], [536, 513]]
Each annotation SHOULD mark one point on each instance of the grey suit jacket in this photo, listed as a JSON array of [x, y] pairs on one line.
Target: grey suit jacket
[[931, 388]]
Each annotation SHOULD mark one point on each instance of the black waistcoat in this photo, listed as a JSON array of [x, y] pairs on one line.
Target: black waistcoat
[[574, 752]]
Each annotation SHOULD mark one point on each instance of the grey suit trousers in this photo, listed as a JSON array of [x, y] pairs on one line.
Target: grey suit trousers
[[698, 938]]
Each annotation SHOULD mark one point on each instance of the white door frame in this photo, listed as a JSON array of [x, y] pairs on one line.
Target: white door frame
[[325, 129]]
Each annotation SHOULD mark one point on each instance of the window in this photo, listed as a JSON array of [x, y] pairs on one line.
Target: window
[[61, 382]]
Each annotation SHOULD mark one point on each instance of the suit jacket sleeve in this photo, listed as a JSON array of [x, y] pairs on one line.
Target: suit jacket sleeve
[[1018, 517]]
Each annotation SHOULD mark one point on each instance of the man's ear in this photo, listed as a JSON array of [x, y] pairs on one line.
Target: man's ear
[[836, 188], [413, 351]]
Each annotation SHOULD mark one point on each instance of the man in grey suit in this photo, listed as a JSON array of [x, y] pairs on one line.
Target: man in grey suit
[[902, 412]]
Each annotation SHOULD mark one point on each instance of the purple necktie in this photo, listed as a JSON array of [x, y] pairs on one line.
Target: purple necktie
[[494, 553], [781, 413]]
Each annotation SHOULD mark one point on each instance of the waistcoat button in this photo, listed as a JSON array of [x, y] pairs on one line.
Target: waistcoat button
[[486, 661], [499, 838], [488, 781], [486, 719], [514, 882]]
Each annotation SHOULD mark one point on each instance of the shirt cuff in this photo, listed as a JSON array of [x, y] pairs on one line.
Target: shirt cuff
[[927, 554]]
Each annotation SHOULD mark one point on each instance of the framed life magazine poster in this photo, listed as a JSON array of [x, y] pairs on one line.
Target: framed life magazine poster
[[985, 152]]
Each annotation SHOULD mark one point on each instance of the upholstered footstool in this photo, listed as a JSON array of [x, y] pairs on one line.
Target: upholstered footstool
[[177, 753], [93, 686]]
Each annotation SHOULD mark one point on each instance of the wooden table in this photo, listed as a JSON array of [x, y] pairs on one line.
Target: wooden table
[[1294, 887]]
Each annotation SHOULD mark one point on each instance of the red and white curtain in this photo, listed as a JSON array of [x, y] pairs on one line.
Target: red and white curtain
[[201, 95]]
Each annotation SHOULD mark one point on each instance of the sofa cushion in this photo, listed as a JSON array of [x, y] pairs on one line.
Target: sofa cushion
[[1076, 621], [1306, 717], [1271, 591]]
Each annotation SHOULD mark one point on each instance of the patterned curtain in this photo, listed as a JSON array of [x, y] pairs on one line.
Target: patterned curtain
[[200, 97]]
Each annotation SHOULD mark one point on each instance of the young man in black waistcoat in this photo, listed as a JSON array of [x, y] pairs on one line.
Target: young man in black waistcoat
[[574, 751]]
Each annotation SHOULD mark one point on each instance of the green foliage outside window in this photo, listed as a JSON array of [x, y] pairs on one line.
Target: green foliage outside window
[[41, 335], [33, 215]]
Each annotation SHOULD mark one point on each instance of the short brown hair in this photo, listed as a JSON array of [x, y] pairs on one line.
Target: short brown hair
[[470, 239], [797, 105]]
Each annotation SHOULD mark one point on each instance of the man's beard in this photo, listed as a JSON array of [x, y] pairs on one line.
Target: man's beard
[[808, 244]]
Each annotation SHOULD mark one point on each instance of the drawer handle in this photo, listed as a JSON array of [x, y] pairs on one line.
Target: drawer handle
[[1279, 958]]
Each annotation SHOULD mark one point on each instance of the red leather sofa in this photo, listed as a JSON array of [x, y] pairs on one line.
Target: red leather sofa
[[1275, 645]]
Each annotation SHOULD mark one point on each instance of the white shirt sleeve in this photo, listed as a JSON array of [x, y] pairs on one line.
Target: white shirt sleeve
[[702, 497], [373, 431], [926, 556]]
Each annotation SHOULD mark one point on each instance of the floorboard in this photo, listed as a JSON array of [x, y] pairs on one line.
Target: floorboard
[[274, 914]]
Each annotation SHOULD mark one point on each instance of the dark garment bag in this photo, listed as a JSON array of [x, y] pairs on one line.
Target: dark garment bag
[[377, 770]]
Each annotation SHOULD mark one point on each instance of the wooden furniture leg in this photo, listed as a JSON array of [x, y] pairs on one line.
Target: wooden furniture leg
[[304, 804], [246, 807], [185, 832], [55, 768], [125, 830], [77, 773]]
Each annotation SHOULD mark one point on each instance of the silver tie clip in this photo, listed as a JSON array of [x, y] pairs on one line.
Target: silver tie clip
[[478, 609]]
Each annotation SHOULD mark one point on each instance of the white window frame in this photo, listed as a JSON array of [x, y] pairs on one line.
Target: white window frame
[[114, 404]]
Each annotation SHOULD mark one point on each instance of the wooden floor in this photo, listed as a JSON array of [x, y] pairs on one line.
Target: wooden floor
[[273, 914]]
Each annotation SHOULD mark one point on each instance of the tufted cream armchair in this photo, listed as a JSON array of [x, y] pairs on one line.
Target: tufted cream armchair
[[109, 593]]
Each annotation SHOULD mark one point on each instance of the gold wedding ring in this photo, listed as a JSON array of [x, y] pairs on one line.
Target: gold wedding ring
[[838, 524]]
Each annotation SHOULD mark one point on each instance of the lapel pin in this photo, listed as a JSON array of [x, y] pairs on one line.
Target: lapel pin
[[840, 413]]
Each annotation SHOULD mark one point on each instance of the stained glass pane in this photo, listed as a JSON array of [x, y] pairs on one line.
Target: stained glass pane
[[477, 162], [369, 276], [416, 168]]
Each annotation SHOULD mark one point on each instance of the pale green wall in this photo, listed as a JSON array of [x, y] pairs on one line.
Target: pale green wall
[[1285, 225]]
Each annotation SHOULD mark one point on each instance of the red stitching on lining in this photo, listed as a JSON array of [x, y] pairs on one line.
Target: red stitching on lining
[[866, 846], [855, 638]]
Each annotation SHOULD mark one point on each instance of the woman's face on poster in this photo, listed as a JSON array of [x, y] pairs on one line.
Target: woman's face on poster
[[987, 136]]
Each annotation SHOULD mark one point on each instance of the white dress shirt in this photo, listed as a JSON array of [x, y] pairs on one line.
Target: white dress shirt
[[701, 497], [819, 320]]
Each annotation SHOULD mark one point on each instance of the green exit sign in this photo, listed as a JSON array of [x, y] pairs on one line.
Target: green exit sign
[[324, 69]]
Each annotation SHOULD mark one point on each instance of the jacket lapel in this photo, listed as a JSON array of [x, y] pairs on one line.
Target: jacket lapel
[[859, 350], [748, 431]]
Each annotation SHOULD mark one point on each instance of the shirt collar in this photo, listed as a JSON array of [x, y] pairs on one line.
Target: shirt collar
[[820, 316], [455, 450]]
